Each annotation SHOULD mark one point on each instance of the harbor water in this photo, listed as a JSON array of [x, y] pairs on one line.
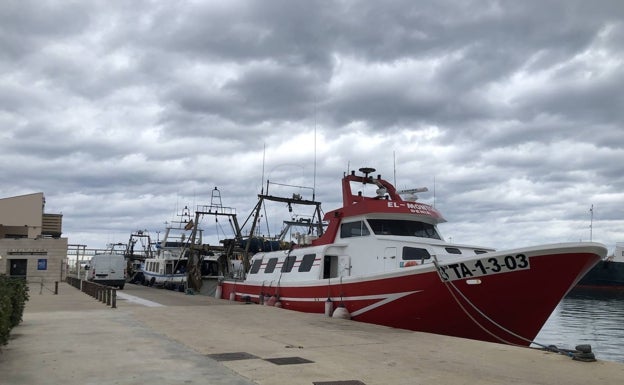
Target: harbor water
[[588, 316]]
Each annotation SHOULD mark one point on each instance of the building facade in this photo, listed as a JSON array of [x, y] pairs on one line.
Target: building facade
[[31, 245]]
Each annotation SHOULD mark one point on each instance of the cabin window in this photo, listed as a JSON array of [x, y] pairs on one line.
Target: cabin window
[[480, 251], [255, 267], [209, 268], [180, 267], [415, 253], [353, 229], [270, 267], [307, 262], [453, 250], [403, 228], [169, 268], [289, 262]]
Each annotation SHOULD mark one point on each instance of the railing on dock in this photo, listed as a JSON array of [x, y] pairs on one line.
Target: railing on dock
[[102, 293]]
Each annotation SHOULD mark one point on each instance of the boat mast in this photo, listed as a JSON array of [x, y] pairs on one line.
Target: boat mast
[[591, 222]]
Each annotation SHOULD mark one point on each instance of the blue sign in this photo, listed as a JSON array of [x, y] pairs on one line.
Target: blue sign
[[42, 264]]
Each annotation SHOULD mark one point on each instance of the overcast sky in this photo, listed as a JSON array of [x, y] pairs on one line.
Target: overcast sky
[[122, 112]]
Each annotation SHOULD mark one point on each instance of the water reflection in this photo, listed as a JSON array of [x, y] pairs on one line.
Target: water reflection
[[588, 316]]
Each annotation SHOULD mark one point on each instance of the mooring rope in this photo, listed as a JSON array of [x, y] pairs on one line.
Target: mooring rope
[[448, 285], [581, 353]]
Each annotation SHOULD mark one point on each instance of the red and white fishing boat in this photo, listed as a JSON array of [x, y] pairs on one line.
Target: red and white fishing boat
[[383, 260]]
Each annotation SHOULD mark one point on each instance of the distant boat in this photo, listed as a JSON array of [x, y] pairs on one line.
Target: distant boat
[[168, 267], [382, 260], [609, 272], [181, 260]]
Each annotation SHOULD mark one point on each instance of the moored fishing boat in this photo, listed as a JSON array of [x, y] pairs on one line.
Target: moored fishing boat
[[608, 273], [168, 266], [383, 260], [181, 261]]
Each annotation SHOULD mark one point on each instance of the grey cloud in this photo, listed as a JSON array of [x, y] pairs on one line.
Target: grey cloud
[[118, 111]]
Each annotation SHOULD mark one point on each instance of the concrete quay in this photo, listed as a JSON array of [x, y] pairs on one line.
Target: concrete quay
[[162, 337]]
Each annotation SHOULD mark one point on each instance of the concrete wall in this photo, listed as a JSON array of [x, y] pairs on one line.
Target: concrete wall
[[44, 259], [21, 215]]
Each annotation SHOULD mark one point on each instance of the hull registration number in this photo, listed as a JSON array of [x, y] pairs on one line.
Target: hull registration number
[[483, 266]]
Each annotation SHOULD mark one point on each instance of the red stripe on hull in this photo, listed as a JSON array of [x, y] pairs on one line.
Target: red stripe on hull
[[520, 301]]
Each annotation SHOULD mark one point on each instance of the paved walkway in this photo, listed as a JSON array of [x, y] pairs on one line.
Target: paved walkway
[[73, 339]]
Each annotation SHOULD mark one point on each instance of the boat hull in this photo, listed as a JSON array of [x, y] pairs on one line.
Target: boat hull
[[162, 278], [604, 274], [506, 308]]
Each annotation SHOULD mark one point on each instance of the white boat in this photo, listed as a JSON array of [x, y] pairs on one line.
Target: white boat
[[383, 260], [181, 260], [168, 267]]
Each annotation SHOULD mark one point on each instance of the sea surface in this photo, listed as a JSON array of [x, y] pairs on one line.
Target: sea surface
[[588, 316]]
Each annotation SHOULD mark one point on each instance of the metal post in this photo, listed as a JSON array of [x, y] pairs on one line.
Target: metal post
[[108, 296], [114, 304], [56, 288]]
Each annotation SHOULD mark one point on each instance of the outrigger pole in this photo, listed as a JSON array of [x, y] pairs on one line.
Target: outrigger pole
[[194, 271], [296, 199]]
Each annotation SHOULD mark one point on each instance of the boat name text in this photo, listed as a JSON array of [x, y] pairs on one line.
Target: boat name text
[[415, 208], [483, 266]]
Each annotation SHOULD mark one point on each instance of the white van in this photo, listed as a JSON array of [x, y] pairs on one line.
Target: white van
[[107, 269]]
